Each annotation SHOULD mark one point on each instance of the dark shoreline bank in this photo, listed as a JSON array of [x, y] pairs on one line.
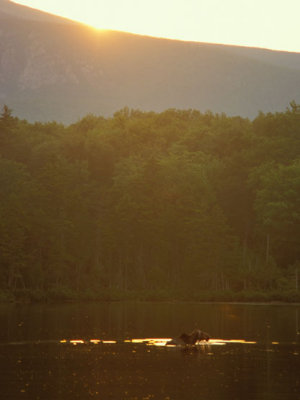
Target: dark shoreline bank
[[68, 296]]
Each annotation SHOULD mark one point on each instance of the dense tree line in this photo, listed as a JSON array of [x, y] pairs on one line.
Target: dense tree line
[[179, 203]]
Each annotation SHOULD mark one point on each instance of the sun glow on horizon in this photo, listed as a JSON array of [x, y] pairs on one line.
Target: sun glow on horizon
[[259, 23]]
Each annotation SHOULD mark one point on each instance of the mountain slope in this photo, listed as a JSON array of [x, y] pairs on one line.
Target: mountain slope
[[17, 10], [51, 68]]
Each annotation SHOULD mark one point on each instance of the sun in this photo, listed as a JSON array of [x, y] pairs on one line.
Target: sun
[[213, 21]]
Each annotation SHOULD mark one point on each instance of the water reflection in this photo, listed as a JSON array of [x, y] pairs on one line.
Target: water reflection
[[118, 351], [77, 342], [152, 341], [135, 368], [159, 342], [95, 341]]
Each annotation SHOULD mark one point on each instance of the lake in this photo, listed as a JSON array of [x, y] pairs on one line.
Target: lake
[[120, 351]]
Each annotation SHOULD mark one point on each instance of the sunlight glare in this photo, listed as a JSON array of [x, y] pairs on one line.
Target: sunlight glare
[[151, 341], [109, 341], [160, 341], [254, 23], [219, 341], [77, 341]]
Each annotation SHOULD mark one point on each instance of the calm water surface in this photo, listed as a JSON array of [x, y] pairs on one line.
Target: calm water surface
[[90, 351]]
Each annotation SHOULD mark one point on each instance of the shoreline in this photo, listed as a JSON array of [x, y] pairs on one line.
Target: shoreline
[[117, 296]]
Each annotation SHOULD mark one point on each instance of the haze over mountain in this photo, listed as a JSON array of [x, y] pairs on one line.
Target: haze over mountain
[[53, 68]]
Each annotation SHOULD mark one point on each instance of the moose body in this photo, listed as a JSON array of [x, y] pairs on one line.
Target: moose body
[[196, 336]]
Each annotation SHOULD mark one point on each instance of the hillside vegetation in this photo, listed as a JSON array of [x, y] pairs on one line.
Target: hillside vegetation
[[177, 205]]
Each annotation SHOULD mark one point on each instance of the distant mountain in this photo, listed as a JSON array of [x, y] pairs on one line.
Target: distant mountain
[[55, 69], [16, 10]]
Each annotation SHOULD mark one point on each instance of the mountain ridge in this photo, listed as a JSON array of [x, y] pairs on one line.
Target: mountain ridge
[[12, 9], [50, 69]]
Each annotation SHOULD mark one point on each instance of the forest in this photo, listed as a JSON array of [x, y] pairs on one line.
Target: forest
[[176, 205]]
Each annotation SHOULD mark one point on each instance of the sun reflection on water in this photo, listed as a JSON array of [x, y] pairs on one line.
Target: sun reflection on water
[[109, 341], [77, 341], [152, 341], [224, 341], [159, 342], [95, 341]]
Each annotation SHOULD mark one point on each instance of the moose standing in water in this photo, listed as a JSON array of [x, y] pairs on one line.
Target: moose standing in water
[[191, 339], [194, 337]]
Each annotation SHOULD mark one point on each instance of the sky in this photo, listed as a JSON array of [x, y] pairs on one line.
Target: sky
[[272, 24]]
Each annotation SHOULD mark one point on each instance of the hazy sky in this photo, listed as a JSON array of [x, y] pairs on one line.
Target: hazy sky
[[271, 24]]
